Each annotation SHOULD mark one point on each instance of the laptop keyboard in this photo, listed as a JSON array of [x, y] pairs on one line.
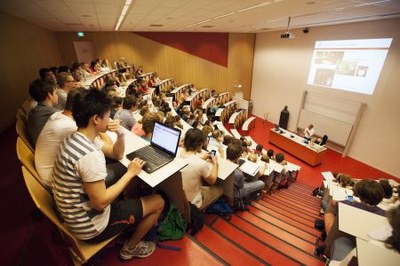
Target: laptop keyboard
[[153, 156]]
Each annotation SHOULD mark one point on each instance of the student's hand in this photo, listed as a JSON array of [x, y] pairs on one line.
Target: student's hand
[[114, 125], [205, 156], [135, 166]]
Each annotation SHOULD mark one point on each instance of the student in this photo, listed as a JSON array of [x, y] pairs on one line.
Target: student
[[201, 168], [46, 95], [57, 128], [243, 187], [125, 115], [90, 210], [67, 83], [370, 193]]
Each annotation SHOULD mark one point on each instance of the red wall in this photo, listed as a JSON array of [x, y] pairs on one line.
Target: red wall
[[209, 46]]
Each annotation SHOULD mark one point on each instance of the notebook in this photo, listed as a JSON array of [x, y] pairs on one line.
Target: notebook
[[162, 149]]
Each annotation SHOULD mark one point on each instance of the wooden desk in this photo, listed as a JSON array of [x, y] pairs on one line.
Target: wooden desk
[[295, 146], [168, 178]]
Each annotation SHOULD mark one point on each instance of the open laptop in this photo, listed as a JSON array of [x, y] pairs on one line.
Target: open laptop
[[162, 149]]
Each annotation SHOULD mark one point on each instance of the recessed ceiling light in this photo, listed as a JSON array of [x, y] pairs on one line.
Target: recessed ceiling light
[[86, 16]]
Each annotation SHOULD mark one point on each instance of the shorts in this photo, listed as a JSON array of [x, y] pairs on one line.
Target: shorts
[[124, 216]]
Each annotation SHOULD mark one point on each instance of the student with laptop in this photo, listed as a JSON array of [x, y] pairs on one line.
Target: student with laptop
[[201, 167], [163, 147], [90, 210]]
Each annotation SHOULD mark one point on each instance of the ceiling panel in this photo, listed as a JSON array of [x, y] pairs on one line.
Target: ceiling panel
[[197, 15]]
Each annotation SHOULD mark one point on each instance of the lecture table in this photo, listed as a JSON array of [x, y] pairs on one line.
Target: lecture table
[[295, 145]]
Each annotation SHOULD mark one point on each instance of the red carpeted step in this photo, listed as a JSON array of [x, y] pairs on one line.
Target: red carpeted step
[[285, 219], [223, 248], [295, 204], [301, 193], [271, 253], [288, 213], [286, 250], [304, 186], [311, 201], [191, 254], [311, 216], [267, 218], [289, 237]]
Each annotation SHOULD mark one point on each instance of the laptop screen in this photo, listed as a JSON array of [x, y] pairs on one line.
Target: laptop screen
[[165, 138]]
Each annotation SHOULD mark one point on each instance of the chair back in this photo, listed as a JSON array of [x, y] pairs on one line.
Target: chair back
[[22, 133], [81, 251], [27, 159], [324, 140]]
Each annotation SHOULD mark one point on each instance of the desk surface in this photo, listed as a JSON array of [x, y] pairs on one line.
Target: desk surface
[[134, 142], [293, 144], [358, 222]]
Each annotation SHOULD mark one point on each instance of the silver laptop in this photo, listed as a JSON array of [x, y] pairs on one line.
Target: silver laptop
[[162, 149]]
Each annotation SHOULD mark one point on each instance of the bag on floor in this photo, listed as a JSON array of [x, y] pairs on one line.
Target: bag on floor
[[221, 208], [172, 227], [196, 219], [319, 224]]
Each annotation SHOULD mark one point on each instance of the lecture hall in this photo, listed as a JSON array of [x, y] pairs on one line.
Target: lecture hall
[[279, 118]]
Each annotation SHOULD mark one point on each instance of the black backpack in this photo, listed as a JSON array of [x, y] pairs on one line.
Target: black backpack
[[196, 219]]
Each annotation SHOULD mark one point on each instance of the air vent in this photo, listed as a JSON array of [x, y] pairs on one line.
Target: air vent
[[207, 26], [156, 25], [73, 24]]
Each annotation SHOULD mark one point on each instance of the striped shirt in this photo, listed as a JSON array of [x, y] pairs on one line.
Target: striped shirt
[[78, 161]]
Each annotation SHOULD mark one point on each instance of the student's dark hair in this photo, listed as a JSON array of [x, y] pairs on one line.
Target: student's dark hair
[[116, 101], [259, 147], [233, 152], [270, 153], [75, 65], [393, 242], [63, 68], [194, 139], [89, 103], [369, 191], [344, 180], [280, 157], [43, 71], [129, 102], [227, 140], [71, 96], [40, 89], [387, 188]]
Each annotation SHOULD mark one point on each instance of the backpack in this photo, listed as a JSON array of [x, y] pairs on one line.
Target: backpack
[[172, 227], [221, 208], [196, 219]]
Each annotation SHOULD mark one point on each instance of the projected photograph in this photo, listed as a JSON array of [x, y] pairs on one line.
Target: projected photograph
[[328, 58], [346, 68], [324, 77], [361, 71], [350, 65]]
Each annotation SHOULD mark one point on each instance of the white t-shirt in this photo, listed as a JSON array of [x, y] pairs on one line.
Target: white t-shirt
[[308, 133], [192, 176], [80, 161], [56, 129]]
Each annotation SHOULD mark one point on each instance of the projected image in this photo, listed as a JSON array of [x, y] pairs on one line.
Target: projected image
[[351, 65], [324, 77], [328, 58], [347, 68]]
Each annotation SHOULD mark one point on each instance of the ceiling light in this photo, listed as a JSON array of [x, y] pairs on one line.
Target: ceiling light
[[123, 13]]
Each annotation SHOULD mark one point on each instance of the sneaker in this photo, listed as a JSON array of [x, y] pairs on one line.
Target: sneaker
[[142, 250]]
